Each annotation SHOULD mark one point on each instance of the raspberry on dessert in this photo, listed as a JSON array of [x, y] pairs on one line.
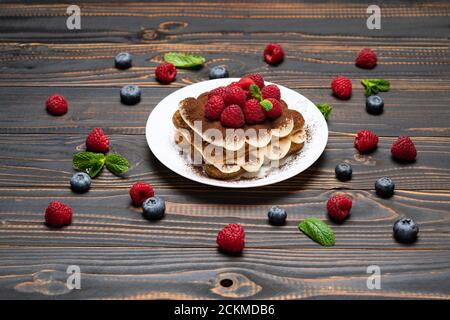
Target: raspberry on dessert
[[165, 73], [231, 238], [272, 108], [253, 112], [220, 91], [271, 91], [56, 105], [366, 140], [232, 116], [342, 87], [403, 149], [273, 53], [97, 141], [140, 191], [339, 207], [245, 83], [366, 59], [257, 79], [235, 95], [58, 214], [214, 107]]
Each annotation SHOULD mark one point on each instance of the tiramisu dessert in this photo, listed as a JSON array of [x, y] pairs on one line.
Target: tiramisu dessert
[[235, 131]]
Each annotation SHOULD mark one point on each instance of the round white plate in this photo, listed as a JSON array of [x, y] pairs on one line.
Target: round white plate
[[160, 133]]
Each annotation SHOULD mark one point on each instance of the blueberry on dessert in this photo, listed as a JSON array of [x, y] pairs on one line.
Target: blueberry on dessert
[[343, 171], [80, 182], [384, 187], [277, 216], [218, 72], [130, 94], [154, 208], [123, 60], [405, 230], [374, 104]]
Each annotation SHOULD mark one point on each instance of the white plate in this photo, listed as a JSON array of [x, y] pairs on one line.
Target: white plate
[[160, 134]]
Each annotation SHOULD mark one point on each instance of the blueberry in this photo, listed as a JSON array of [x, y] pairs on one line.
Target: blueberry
[[374, 104], [80, 182], [154, 208], [343, 171], [384, 187], [405, 230], [277, 216], [123, 60], [130, 94], [218, 72]]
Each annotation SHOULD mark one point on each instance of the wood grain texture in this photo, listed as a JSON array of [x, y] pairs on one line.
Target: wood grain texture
[[150, 273], [123, 256]]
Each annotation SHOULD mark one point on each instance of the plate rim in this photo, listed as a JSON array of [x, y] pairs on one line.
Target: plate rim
[[223, 183]]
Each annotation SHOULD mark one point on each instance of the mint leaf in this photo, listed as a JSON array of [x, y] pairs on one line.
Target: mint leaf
[[373, 86], [255, 92], [267, 105], [318, 231], [85, 160], [95, 169], [325, 108], [116, 164], [184, 60]]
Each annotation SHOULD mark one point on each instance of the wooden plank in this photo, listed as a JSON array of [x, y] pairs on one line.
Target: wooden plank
[[194, 217], [141, 273], [101, 107], [46, 161]]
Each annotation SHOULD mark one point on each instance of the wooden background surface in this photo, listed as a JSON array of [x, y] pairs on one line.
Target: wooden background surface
[[125, 257]]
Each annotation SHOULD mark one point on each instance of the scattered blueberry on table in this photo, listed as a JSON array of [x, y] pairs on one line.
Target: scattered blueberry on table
[[277, 216], [130, 94], [218, 72], [123, 60], [406, 230], [154, 208], [374, 104], [80, 182], [384, 187], [343, 171]]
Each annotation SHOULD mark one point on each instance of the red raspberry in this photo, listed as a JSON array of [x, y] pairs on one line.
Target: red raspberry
[[165, 73], [232, 117], [366, 59], [271, 91], [58, 214], [257, 79], [273, 53], [214, 107], [339, 207], [220, 91], [97, 141], [56, 105], [231, 238], [140, 191], [253, 112], [366, 140], [403, 149], [342, 87], [235, 95], [245, 83], [275, 111]]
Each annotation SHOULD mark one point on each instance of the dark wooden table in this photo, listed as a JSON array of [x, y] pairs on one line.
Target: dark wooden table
[[123, 256]]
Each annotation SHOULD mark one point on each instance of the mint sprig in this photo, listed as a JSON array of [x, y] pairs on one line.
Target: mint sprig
[[325, 109], [255, 91], [373, 86], [266, 104], [93, 163], [184, 60], [318, 231]]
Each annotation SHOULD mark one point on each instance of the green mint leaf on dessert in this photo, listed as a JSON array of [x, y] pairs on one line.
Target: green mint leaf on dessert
[[318, 231], [373, 86], [325, 108], [267, 105], [255, 92], [86, 160], [184, 60], [116, 164]]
